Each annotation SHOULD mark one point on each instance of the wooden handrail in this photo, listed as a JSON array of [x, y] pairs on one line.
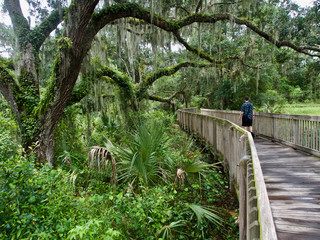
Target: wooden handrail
[[242, 163], [297, 131]]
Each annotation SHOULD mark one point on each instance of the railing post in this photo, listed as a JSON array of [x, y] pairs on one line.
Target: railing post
[[296, 131], [253, 231], [243, 197]]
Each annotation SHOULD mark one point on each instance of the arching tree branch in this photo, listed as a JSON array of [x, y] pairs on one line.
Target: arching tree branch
[[41, 32], [164, 100], [149, 80], [122, 80], [20, 23], [193, 49], [124, 10], [159, 99], [128, 89], [78, 94]]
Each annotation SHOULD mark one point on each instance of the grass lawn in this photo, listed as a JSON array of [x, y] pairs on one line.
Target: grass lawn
[[302, 109]]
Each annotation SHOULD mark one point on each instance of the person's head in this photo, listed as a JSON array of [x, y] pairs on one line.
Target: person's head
[[246, 98]]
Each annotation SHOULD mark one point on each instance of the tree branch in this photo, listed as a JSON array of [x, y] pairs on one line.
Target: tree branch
[[199, 6], [8, 86], [20, 23], [149, 80], [164, 100], [78, 93], [121, 80], [41, 32], [193, 49], [124, 10], [159, 99]]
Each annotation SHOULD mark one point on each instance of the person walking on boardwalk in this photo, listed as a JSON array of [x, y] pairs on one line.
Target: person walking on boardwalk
[[247, 114]]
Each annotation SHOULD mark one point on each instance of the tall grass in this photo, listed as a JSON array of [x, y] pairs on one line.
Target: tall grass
[[302, 109]]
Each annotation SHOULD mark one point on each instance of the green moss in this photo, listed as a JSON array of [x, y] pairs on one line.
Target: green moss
[[122, 80], [30, 129], [6, 63], [64, 43], [28, 96], [5, 76], [27, 99], [78, 93], [116, 8], [127, 92], [48, 95]]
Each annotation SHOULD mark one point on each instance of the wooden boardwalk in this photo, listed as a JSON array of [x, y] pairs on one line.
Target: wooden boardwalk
[[293, 184]]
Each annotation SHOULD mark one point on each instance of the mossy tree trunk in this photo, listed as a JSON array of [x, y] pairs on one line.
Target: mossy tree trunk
[[72, 49], [38, 120], [23, 93]]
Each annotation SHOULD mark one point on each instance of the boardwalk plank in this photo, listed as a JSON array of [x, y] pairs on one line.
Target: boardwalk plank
[[293, 185]]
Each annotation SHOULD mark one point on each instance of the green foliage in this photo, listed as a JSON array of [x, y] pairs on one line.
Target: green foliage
[[199, 102], [271, 101], [205, 213], [68, 202], [29, 208], [144, 161], [69, 136], [297, 94], [90, 230], [9, 141], [166, 231], [64, 43]]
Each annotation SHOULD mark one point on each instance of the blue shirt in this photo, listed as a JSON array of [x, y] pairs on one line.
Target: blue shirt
[[247, 109]]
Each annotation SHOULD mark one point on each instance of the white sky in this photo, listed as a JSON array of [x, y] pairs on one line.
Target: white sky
[[304, 3], [24, 6]]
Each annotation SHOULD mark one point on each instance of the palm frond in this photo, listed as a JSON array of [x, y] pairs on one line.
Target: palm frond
[[205, 213], [143, 156], [99, 161], [195, 167], [167, 230]]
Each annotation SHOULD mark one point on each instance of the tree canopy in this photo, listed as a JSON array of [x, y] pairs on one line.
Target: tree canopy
[[206, 51]]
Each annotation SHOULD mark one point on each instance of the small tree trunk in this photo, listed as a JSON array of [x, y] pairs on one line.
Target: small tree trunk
[[46, 148], [46, 142]]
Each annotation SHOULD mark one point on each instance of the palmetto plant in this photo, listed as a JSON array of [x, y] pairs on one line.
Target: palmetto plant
[[166, 232], [205, 214], [100, 160], [144, 158], [190, 165]]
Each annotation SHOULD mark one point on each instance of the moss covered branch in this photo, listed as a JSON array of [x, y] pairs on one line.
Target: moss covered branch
[[159, 99], [122, 80], [41, 32], [78, 93], [164, 100], [8, 86], [20, 23], [128, 89], [150, 79], [124, 10], [194, 50]]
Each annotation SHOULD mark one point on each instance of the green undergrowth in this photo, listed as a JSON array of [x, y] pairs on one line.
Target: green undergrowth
[[71, 201], [46, 204]]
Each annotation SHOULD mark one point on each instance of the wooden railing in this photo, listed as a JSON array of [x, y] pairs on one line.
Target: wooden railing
[[242, 163], [298, 131]]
